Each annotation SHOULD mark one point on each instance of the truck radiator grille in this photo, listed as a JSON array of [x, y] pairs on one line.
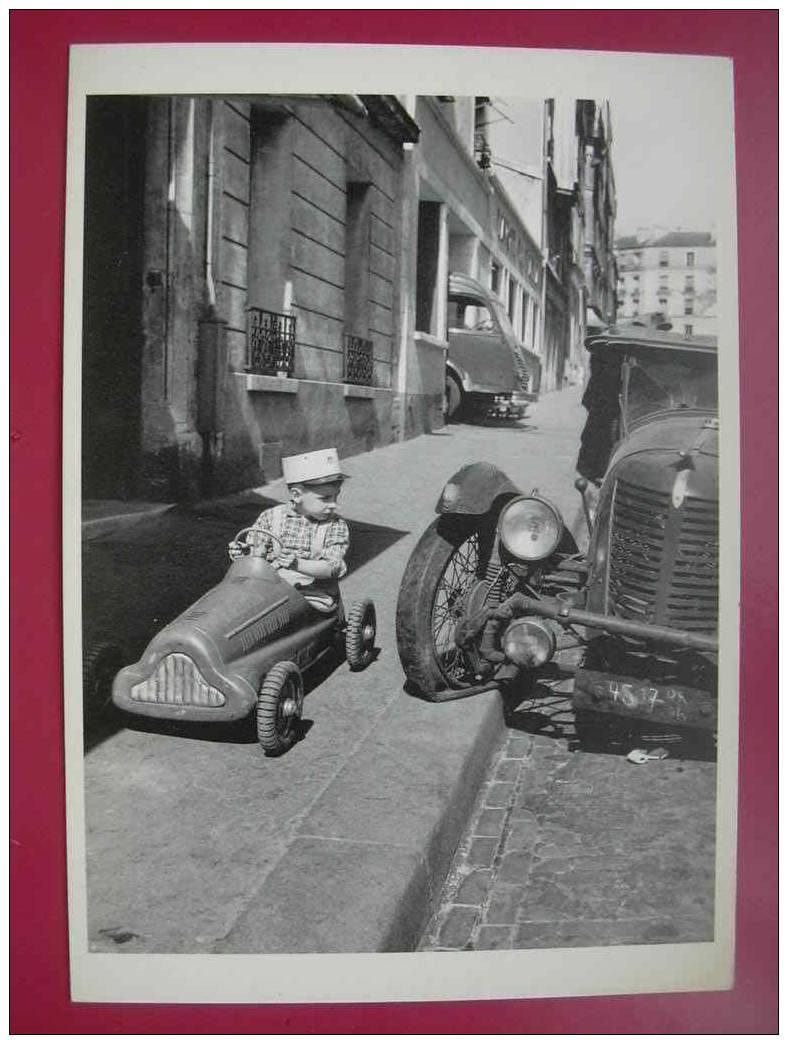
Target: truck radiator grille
[[664, 561], [522, 371], [177, 680]]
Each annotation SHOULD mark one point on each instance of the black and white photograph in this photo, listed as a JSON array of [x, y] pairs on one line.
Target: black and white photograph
[[397, 563]]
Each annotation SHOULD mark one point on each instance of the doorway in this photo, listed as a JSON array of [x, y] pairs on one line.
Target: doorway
[[112, 331]]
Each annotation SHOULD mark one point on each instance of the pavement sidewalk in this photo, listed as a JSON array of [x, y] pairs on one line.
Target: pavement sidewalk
[[198, 842]]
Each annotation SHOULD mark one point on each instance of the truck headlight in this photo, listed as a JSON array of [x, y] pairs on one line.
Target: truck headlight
[[530, 528]]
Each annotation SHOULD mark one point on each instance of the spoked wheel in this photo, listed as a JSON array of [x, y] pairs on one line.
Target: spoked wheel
[[280, 703], [360, 634], [445, 569]]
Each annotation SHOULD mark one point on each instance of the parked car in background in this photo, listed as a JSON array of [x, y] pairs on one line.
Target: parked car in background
[[497, 586], [488, 371]]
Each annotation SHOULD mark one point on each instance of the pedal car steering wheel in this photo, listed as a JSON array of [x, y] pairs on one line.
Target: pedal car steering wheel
[[247, 545]]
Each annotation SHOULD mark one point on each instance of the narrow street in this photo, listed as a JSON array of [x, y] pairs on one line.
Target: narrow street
[[190, 831]]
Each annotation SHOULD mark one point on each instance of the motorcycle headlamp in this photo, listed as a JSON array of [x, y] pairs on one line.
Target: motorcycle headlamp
[[530, 528]]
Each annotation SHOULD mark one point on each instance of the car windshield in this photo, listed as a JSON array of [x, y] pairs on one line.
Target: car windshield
[[470, 315], [666, 381]]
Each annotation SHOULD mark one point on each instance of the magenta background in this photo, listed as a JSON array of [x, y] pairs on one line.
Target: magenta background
[[39, 72]]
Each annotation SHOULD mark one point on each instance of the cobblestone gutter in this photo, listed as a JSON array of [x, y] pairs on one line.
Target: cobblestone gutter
[[579, 849]]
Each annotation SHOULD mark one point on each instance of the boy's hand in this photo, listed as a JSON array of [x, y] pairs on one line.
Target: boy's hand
[[285, 560], [236, 550]]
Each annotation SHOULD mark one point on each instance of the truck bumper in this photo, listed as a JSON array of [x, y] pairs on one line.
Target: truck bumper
[[505, 405], [644, 700]]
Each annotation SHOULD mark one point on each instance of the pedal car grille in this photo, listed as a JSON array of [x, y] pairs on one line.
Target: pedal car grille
[[663, 561], [177, 680]]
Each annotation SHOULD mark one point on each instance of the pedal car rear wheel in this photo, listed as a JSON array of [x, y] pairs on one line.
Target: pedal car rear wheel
[[360, 634], [100, 663], [280, 702]]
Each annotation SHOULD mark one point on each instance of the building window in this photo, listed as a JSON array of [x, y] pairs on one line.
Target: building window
[[663, 304], [635, 277], [664, 260], [357, 251], [688, 307], [427, 254], [512, 306], [689, 282], [495, 276], [525, 316], [690, 259], [688, 331]]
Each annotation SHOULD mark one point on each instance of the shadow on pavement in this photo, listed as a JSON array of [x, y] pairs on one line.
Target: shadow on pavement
[[597, 733]]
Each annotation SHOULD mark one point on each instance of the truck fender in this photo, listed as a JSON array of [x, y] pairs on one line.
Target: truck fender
[[474, 490]]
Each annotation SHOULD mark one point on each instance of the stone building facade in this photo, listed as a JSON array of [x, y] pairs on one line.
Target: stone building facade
[[268, 275], [672, 273], [242, 263], [578, 236], [457, 218]]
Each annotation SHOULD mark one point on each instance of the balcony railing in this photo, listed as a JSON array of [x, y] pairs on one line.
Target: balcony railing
[[270, 344], [359, 364]]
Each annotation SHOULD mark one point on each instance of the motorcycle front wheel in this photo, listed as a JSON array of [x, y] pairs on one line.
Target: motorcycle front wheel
[[444, 568]]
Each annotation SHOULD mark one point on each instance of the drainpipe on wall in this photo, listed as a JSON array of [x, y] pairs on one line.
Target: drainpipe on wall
[[211, 353], [545, 247], [209, 281]]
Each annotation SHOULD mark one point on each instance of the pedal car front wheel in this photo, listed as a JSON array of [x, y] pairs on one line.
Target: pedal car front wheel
[[280, 702], [360, 634]]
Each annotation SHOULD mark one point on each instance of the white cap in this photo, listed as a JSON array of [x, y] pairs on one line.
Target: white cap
[[317, 466]]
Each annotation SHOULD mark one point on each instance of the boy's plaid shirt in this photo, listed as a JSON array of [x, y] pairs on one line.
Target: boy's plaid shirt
[[298, 539]]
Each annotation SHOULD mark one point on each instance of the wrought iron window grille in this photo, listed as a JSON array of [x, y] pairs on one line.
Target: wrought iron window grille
[[359, 365], [270, 345]]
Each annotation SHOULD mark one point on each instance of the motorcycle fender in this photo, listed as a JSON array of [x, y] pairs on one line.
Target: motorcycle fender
[[474, 489]]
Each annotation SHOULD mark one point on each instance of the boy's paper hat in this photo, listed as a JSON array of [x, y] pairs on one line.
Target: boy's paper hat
[[317, 466]]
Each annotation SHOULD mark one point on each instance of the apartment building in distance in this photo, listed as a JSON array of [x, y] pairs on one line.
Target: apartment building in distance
[[673, 273]]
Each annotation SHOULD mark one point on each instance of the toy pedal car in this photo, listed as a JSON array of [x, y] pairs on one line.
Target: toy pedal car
[[243, 648]]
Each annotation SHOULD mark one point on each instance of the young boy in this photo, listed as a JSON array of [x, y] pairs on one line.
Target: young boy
[[314, 539]]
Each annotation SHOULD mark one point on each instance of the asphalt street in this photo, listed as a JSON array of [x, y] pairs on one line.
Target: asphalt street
[[187, 828]]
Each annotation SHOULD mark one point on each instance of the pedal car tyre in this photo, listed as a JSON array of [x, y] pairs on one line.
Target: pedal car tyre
[[100, 663], [360, 634], [442, 568], [280, 702]]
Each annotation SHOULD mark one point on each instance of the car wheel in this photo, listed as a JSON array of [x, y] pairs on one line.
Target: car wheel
[[445, 568], [280, 703], [453, 397], [100, 663], [360, 634]]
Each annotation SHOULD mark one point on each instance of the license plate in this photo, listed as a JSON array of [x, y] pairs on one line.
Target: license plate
[[665, 704]]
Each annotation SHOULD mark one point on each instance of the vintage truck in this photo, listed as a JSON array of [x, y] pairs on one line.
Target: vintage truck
[[497, 582], [489, 373]]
